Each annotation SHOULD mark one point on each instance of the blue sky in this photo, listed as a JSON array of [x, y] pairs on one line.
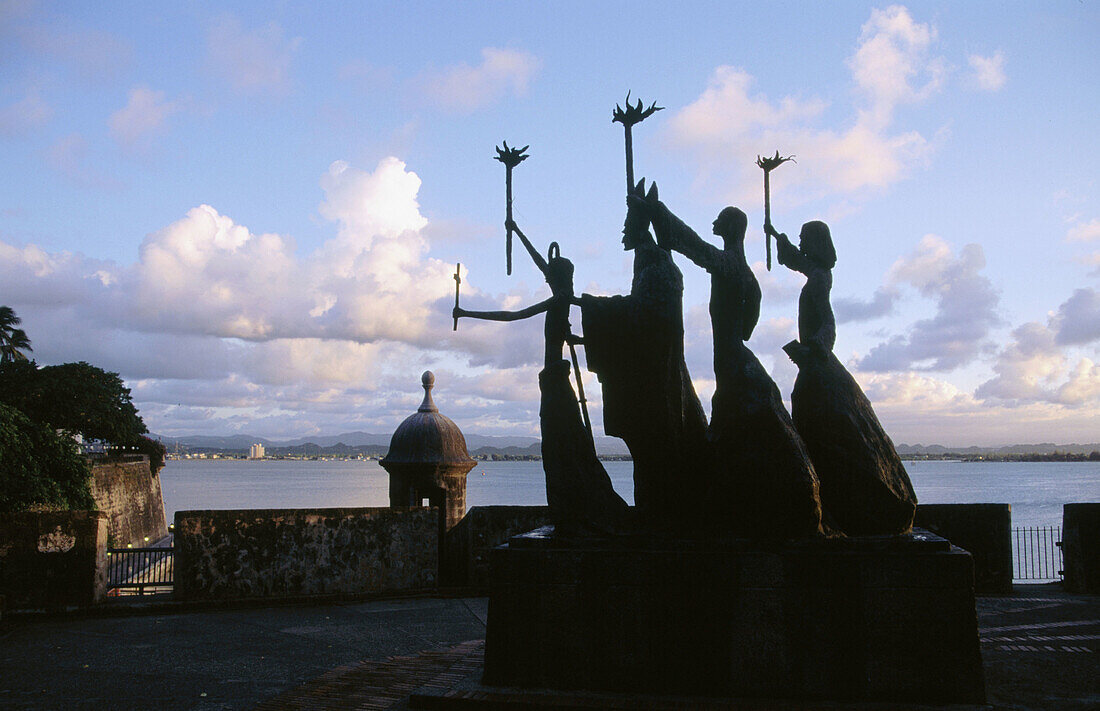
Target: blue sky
[[253, 211]]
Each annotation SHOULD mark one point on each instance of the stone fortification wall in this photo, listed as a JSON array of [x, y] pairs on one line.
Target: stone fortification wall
[[294, 552], [129, 494], [1081, 547], [984, 530], [467, 546], [53, 560]]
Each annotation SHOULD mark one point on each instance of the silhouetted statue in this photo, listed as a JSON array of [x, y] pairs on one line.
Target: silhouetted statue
[[579, 493], [814, 257], [865, 489], [635, 344], [764, 483]]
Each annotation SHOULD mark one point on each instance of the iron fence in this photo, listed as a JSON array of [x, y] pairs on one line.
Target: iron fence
[[1037, 554], [139, 570]]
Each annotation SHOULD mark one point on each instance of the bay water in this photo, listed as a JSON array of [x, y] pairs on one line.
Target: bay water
[[1036, 490]]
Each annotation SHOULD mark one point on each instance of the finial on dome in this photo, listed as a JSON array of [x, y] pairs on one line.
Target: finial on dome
[[428, 380]]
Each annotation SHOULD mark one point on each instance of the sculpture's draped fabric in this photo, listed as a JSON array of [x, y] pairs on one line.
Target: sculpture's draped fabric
[[635, 344]]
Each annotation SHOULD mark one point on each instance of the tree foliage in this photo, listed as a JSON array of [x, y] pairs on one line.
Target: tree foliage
[[38, 467], [152, 449], [76, 397], [40, 463], [13, 341]]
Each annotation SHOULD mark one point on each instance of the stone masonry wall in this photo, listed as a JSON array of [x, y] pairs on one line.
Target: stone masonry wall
[[1081, 547], [984, 530], [267, 553], [53, 560], [467, 545], [129, 493]]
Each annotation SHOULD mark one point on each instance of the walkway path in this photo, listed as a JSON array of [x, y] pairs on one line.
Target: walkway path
[[1041, 649], [220, 659]]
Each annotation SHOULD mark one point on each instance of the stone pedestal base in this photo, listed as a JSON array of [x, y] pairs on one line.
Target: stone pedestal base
[[875, 619]]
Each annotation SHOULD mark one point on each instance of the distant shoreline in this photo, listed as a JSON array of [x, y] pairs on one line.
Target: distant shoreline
[[946, 457]]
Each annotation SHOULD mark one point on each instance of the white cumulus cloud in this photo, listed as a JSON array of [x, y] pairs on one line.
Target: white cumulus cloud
[[145, 114], [218, 327], [1077, 321], [988, 73], [69, 156], [207, 275], [1036, 368], [464, 88], [1086, 233], [892, 65], [94, 55], [256, 59], [25, 115], [966, 310]]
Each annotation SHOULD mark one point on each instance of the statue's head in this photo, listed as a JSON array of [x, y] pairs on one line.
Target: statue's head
[[636, 224], [635, 229], [559, 272], [816, 244], [731, 224]]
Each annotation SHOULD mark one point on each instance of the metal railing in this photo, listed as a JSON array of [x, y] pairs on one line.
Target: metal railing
[[1037, 554], [137, 571]]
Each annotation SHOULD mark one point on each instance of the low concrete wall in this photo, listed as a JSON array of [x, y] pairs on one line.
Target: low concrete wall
[[129, 493], [293, 552], [53, 560], [985, 530], [467, 545], [1081, 547]]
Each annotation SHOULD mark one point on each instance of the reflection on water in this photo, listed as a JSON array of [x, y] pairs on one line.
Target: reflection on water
[[1036, 491]]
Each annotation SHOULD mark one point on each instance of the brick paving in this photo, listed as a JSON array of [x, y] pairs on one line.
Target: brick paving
[[448, 681], [382, 684], [1041, 649]]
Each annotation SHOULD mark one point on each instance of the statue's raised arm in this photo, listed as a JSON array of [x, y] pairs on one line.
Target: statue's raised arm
[[735, 290], [533, 310], [511, 226], [674, 234], [787, 254]]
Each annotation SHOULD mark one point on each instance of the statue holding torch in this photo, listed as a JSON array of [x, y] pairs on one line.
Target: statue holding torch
[[768, 164], [510, 157]]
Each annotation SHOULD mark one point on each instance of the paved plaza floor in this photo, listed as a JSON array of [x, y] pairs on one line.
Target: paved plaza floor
[[1041, 649]]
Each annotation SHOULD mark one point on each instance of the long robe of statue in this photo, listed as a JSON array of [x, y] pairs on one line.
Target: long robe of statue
[[865, 489], [635, 345], [763, 476]]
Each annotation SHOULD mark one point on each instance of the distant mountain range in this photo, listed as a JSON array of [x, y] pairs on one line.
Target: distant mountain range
[[520, 446], [907, 450], [476, 444]]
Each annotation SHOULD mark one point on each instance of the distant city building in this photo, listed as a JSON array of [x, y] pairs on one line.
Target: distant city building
[[256, 451]]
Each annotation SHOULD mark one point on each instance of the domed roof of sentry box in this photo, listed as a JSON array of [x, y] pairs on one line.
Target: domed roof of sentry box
[[427, 437]]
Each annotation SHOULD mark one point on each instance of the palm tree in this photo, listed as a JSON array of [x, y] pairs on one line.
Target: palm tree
[[12, 340]]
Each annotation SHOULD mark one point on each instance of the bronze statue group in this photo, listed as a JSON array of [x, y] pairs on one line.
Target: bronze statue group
[[753, 471]]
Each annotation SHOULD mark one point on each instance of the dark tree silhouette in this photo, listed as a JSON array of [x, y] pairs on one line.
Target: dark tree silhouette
[[41, 469], [13, 341], [75, 397]]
